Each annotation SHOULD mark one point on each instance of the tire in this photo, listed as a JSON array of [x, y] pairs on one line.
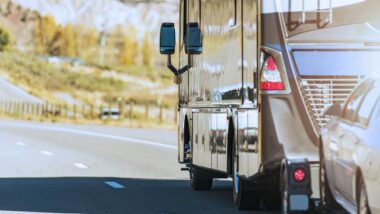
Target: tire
[[244, 199], [362, 203], [199, 183], [284, 193], [327, 199], [272, 200]]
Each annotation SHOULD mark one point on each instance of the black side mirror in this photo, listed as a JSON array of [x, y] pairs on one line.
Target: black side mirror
[[193, 41], [333, 110], [167, 38]]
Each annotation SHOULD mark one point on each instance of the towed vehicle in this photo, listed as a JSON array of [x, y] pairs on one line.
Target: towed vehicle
[[350, 152], [254, 77]]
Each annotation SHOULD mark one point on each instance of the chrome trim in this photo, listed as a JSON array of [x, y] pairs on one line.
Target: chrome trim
[[319, 93]]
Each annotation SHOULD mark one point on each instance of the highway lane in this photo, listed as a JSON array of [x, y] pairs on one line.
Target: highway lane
[[61, 168], [10, 92]]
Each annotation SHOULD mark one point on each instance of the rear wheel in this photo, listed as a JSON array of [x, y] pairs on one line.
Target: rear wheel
[[244, 197], [284, 192], [327, 199], [199, 183], [272, 200], [363, 207]]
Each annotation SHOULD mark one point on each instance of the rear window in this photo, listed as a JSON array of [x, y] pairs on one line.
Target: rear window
[[368, 104]]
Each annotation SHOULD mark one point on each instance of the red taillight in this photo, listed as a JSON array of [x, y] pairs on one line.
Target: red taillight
[[299, 175], [271, 77], [272, 86], [271, 64]]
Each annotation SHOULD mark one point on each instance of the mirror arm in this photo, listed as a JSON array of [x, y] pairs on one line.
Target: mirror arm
[[170, 65], [181, 70]]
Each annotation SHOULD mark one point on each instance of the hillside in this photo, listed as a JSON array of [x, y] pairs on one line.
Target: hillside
[[43, 54], [105, 14]]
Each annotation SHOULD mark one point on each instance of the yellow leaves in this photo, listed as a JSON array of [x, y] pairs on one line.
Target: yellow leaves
[[120, 46], [146, 51], [129, 48]]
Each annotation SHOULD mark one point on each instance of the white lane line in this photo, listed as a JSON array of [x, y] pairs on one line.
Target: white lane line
[[114, 184], [80, 165], [19, 143], [47, 153], [94, 134]]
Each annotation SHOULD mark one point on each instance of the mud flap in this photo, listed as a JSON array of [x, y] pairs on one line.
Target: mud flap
[[296, 187]]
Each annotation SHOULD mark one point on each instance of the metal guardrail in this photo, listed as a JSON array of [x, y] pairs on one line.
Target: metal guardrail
[[105, 112]]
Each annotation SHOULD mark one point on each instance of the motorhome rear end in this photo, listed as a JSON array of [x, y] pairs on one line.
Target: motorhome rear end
[[251, 101]]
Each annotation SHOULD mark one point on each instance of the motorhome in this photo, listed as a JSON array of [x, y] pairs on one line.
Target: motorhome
[[254, 78]]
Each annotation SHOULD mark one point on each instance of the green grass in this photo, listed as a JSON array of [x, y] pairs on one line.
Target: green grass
[[43, 79], [31, 71]]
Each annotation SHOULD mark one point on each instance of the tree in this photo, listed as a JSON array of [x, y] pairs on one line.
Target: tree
[[87, 41], [129, 48], [4, 39], [90, 46], [45, 34], [55, 45], [147, 51], [69, 43]]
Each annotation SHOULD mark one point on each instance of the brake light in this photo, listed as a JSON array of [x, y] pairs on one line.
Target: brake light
[[271, 77], [299, 175]]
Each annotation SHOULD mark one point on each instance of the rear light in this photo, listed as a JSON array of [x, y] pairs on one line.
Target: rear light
[[271, 77], [299, 175]]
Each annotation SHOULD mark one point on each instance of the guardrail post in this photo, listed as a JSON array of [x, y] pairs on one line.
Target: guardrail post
[[146, 111], [74, 111], [83, 109], [101, 111], [18, 106], [109, 110], [131, 110], [22, 109], [161, 114], [91, 111], [121, 110]]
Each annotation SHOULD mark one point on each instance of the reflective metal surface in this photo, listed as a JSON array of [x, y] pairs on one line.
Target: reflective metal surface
[[320, 93], [221, 80], [351, 150], [222, 86]]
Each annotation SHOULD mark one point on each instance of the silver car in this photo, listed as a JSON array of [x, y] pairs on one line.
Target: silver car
[[350, 151]]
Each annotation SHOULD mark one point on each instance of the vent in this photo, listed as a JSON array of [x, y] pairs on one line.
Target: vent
[[318, 93]]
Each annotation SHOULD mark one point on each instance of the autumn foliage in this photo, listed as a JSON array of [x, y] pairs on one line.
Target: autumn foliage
[[118, 46]]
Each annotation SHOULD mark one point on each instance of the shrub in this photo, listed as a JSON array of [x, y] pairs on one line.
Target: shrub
[[4, 39]]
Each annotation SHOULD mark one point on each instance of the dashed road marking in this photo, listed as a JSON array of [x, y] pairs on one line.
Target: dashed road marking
[[114, 184], [47, 153], [19, 143], [81, 166]]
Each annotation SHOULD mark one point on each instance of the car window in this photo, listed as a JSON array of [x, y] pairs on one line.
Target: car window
[[354, 101], [376, 114], [368, 104]]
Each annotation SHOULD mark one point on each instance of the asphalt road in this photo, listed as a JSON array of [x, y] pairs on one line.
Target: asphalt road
[[10, 92], [60, 168]]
